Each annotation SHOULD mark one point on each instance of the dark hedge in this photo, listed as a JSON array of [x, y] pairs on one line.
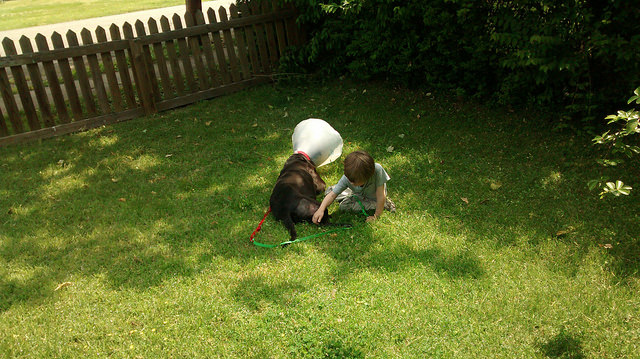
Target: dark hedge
[[577, 59]]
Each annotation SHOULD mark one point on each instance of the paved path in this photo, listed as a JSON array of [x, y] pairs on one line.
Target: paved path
[[105, 22]]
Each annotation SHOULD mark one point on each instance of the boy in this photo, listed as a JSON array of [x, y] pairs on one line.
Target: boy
[[363, 178]]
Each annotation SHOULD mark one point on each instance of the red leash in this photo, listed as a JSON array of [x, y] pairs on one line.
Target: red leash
[[259, 225]]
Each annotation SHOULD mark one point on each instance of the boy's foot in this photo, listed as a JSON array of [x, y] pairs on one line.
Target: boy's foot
[[389, 205]]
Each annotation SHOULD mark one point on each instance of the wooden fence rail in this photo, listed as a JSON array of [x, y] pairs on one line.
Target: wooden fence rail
[[121, 75]]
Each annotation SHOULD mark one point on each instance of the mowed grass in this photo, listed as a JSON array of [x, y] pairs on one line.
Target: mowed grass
[[16, 14], [133, 240]]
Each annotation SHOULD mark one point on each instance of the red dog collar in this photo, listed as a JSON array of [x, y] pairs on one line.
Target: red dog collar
[[304, 154]]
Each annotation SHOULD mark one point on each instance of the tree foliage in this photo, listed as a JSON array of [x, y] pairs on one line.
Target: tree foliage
[[576, 57]]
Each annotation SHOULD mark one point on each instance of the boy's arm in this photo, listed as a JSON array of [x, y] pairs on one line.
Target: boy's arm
[[328, 199], [381, 198]]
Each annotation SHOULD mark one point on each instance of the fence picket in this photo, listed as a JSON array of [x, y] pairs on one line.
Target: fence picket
[[123, 70], [83, 78], [36, 82], [4, 131], [260, 36], [194, 45], [230, 47], [10, 102], [54, 82], [107, 62], [280, 34], [173, 58], [252, 46], [146, 52], [292, 30], [140, 72], [184, 55], [271, 38], [241, 44], [208, 51], [67, 77], [217, 44], [23, 87], [158, 51], [127, 33], [96, 74]]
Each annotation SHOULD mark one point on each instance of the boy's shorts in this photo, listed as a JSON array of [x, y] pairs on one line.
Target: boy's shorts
[[349, 203]]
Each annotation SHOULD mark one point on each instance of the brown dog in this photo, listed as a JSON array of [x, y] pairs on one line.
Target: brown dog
[[293, 198]]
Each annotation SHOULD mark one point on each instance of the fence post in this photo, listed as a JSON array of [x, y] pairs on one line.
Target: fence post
[[143, 82]]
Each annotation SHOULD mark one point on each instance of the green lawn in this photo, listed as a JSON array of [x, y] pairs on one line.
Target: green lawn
[[497, 249], [16, 14]]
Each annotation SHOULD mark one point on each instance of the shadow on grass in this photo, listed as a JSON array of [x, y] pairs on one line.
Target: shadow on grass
[[563, 345], [144, 201], [312, 343], [253, 291], [397, 257]]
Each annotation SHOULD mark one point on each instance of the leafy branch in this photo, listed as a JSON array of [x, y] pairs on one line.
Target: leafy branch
[[628, 125]]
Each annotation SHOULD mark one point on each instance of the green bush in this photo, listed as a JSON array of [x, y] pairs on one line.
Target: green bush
[[577, 55], [576, 58]]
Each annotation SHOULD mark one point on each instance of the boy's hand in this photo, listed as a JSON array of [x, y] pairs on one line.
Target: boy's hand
[[371, 219], [317, 217]]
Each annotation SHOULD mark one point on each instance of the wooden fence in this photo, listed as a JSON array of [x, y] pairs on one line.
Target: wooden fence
[[122, 76]]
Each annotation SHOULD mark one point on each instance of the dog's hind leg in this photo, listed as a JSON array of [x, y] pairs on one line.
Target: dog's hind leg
[[287, 221], [306, 208]]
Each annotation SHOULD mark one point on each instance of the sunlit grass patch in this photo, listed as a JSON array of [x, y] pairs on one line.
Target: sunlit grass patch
[[554, 179], [103, 141]]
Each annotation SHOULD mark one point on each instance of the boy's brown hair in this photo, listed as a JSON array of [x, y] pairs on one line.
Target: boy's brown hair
[[359, 166]]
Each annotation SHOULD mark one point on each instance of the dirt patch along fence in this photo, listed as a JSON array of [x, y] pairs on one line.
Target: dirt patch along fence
[[120, 75]]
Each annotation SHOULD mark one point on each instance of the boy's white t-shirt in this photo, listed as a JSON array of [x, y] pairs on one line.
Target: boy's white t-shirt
[[368, 190]]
